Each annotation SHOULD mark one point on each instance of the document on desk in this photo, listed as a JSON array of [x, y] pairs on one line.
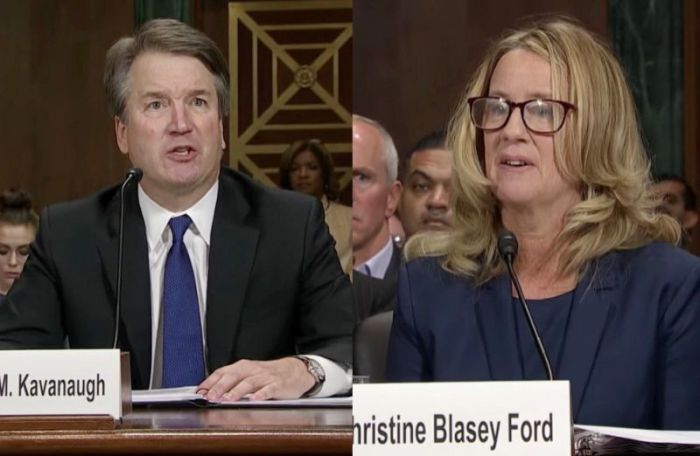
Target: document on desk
[[601, 440], [188, 394]]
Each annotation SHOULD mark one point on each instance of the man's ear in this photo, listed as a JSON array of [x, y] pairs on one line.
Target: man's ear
[[221, 129], [690, 219], [120, 131], [392, 200]]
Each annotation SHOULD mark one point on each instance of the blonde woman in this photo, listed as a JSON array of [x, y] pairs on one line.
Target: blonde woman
[[546, 144]]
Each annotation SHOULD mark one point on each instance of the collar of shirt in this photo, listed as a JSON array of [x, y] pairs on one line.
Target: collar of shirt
[[325, 203], [156, 217], [379, 263]]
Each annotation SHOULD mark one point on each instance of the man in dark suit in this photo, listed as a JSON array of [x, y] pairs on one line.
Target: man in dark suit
[[263, 307]]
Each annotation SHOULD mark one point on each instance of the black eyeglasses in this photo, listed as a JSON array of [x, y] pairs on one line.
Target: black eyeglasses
[[539, 115]]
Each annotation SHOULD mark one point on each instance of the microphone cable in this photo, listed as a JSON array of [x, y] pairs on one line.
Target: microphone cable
[[134, 175], [508, 249]]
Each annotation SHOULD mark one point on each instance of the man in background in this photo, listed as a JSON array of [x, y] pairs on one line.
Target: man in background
[[375, 195], [426, 176], [678, 201]]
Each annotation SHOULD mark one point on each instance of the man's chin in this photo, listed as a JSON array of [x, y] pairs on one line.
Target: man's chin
[[190, 178]]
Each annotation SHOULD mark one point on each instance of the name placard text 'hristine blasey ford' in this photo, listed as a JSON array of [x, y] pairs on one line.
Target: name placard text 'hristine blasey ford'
[[475, 418], [60, 382]]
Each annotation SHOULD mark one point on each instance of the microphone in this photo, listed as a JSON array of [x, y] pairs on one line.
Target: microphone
[[507, 246], [508, 249], [134, 175]]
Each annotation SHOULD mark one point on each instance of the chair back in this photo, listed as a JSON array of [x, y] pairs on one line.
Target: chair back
[[371, 341]]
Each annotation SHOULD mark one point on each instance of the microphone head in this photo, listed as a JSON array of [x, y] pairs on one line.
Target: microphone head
[[135, 173], [507, 245]]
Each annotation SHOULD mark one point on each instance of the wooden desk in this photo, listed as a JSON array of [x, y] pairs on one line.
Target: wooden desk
[[199, 431]]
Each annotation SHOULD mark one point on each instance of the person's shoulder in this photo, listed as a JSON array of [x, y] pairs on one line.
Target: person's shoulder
[[660, 261], [430, 265], [430, 271], [75, 222], [94, 204], [434, 292], [661, 257]]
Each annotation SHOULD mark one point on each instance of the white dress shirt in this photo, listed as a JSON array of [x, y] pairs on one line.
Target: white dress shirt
[[197, 240], [379, 263]]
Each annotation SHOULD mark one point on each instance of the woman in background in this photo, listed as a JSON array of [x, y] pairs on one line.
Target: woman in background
[[18, 226], [307, 167], [547, 145]]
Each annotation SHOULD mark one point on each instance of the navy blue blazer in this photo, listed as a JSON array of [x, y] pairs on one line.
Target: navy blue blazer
[[631, 352]]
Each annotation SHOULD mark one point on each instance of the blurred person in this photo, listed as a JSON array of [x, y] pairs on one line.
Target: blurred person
[[307, 167], [228, 285], [18, 225], [546, 144], [679, 201], [427, 175]]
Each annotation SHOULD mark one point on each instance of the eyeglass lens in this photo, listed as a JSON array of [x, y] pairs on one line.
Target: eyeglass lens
[[542, 116]]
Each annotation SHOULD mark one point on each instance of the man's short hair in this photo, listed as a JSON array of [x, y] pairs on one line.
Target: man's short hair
[[391, 157], [162, 35], [689, 197], [434, 140]]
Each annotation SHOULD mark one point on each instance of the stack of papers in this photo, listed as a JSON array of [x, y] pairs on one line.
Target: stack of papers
[[188, 394], [601, 440]]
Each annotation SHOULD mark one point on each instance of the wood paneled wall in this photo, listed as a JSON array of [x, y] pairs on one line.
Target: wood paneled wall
[[691, 57], [58, 138], [413, 58], [57, 134]]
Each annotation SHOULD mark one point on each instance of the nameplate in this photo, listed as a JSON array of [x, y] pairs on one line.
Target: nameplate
[[61, 382], [475, 418]]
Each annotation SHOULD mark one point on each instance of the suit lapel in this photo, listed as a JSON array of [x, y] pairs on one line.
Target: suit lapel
[[593, 299], [231, 255], [494, 313], [136, 289]]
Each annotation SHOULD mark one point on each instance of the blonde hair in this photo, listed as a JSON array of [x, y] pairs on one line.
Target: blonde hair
[[604, 154]]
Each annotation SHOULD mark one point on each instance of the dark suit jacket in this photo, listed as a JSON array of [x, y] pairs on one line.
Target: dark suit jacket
[[372, 295], [632, 350], [275, 285]]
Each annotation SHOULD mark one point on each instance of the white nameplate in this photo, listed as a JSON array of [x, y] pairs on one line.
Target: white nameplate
[[475, 418], [60, 382]]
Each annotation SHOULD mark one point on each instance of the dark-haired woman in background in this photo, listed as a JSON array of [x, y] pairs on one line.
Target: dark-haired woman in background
[[307, 167], [18, 225]]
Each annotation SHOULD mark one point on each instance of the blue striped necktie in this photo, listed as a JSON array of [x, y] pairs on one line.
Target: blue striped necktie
[[183, 351]]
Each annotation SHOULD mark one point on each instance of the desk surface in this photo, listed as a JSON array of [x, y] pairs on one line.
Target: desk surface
[[198, 431]]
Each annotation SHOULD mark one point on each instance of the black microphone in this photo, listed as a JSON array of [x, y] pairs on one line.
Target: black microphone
[[508, 249], [134, 175]]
